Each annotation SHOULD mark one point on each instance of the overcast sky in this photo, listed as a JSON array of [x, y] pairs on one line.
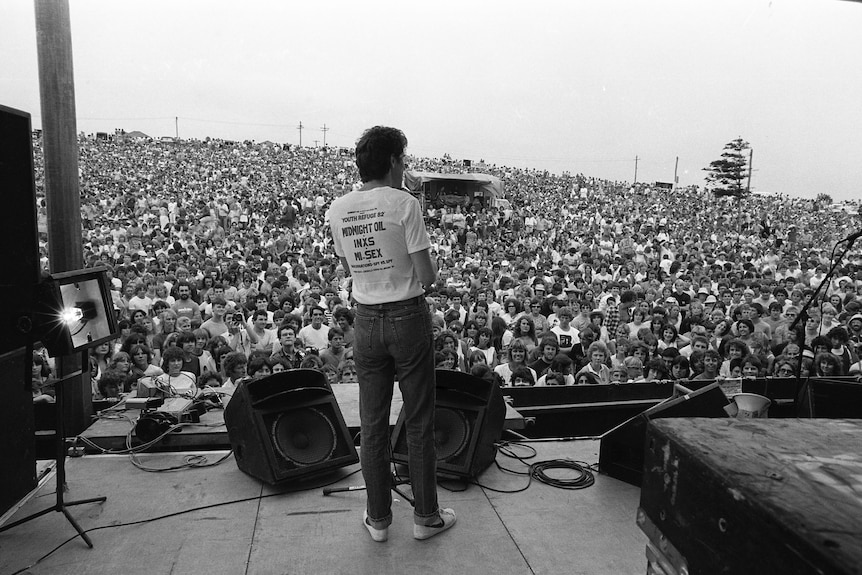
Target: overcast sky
[[558, 85]]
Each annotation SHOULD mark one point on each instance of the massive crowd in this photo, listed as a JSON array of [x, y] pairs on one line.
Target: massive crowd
[[222, 269]]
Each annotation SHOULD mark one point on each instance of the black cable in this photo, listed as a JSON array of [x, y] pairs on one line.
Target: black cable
[[177, 513], [537, 470], [583, 480]]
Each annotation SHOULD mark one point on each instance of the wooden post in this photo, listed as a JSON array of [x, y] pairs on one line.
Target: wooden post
[[59, 134], [62, 192]]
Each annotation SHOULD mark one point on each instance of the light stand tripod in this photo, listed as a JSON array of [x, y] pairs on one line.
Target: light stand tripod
[[60, 454]]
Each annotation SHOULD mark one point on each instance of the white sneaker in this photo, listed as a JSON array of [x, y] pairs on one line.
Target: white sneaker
[[447, 520], [376, 534]]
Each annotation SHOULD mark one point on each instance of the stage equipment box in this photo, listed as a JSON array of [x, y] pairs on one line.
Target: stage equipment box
[[722, 496]]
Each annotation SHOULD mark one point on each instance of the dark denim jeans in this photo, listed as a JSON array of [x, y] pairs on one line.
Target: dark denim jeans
[[394, 341]]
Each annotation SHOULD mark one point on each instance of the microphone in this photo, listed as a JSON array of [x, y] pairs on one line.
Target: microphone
[[853, 237]]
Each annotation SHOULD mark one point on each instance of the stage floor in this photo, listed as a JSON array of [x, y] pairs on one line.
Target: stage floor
[[540, 530]]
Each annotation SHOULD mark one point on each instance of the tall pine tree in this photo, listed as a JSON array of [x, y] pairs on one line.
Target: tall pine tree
[[726, 176]]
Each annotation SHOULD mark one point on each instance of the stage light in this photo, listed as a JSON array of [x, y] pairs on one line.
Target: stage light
[[71, 316], [75, 311]]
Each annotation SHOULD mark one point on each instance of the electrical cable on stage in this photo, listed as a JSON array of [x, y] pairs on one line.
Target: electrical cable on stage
[[537, 470]]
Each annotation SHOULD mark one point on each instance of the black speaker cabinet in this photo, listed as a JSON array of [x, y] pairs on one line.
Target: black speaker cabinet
[[288, 426], [828, 398], [621, 454], [18, 274], [469, 417], [18, 229]]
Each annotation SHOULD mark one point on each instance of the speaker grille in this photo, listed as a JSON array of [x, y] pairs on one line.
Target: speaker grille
[[304, 436], [451, 432]]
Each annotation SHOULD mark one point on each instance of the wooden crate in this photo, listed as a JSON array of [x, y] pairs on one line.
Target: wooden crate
[[754, 496]]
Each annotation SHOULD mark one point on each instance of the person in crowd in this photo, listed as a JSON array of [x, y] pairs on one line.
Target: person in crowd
[[258, 367], [344, 320], [111, 385], [753, 366], [142, 363], [334, 354], [784, 367], [315, 336], [598, 357], [549, 348], [43, 392], [712, 363], [586, 378], [525, 332], [288, 352], [175, 381], [558, 373], [235, 367], [483, 344], [680, 368], [347, 372], [517, 355], [262, 338], [827, 365], [523, 376]]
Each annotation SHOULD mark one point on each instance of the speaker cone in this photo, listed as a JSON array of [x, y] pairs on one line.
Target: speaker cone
[[451, 432], [304, 436]]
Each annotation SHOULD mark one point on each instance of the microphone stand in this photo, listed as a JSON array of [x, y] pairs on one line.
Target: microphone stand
[[393, 486], [802, 317]]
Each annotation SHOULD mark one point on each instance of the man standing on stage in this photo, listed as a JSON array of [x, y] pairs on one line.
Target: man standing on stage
[[381, 239]]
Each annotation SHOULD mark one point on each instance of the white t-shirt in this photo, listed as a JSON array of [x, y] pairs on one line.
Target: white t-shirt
[[376, 230], [567, 338], [316, 338]]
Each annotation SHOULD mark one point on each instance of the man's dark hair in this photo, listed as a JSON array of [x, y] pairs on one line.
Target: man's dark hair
[[345, 313], [186, 337], [375, 148]]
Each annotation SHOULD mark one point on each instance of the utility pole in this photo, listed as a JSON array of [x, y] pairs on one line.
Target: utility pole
[[750, 160], [636, 170], [299, 127], [324, 129], [62, 191], [675, 172], [177, 126], [315, 143]]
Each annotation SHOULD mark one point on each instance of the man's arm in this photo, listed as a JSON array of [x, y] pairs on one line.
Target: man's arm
[[426, 268]]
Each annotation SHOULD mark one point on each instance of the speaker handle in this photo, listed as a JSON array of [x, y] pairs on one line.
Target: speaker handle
[[290, 379], [297, 394], [464, 383]]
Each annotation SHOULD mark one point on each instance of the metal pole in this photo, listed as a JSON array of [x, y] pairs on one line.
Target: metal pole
[[750, 161], [636, 170]]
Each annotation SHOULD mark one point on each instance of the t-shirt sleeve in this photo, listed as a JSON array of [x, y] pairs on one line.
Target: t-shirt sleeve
[[415, 234]]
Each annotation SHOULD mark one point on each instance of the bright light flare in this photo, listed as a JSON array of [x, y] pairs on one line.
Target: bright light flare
[[71, 315]]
